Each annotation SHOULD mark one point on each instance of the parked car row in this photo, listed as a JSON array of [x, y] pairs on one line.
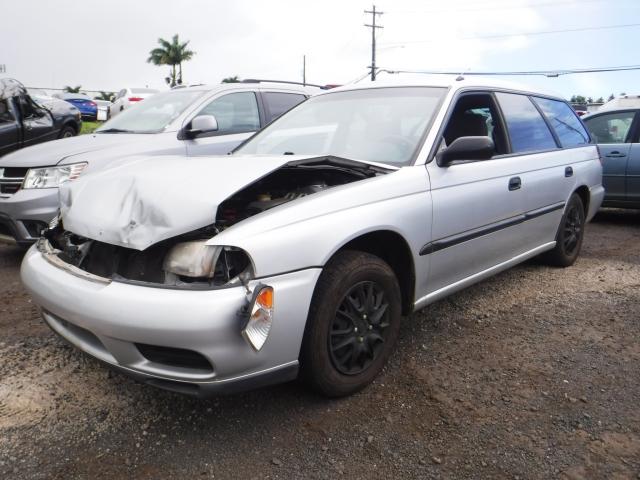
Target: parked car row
[[177, 122], [297, 254]]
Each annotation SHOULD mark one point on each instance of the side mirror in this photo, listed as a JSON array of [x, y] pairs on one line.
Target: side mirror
[[202, 124], [466, 148]]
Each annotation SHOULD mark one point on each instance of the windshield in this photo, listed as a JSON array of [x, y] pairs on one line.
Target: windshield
[[153, 114], [381, 125]]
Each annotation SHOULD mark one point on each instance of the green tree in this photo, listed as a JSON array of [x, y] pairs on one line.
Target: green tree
[[70, 89], [578, 99], [171, 53], [611, 97], [234, 79], [589, 100], [105, 96], [600, 100]]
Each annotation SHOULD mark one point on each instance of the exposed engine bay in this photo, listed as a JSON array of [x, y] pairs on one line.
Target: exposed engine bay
[[185, 261]]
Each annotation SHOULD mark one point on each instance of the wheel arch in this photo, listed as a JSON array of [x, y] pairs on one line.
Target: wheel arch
[[71, 124], [583, 192], [393, 248]]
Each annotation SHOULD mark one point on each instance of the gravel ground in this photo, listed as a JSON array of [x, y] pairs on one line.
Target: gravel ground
[[532, 374]]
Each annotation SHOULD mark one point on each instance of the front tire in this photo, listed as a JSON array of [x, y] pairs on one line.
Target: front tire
[[353, 324], [67, 132], [570, 235]]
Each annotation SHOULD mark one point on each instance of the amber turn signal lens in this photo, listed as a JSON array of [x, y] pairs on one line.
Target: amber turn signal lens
[[265, 298], [260, 319]]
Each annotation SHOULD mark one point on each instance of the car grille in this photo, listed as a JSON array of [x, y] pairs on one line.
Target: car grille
[[11, 179]]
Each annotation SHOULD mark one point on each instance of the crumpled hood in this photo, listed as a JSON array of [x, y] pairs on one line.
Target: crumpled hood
[[150, 199], [85, 148]]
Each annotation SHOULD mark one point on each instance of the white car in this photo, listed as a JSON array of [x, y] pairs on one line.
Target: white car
[[302, 250], [128, 97]]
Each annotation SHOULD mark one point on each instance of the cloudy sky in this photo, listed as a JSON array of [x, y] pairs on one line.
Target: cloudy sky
[[104, 45]]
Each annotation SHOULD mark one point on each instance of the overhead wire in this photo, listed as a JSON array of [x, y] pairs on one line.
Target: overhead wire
[[522, 34], [546, 73]]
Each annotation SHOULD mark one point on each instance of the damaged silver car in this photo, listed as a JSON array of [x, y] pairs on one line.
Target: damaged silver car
[[299, 254]]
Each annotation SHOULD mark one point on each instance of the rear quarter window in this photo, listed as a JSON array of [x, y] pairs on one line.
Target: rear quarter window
[[564, 121], [527, 129], [278, 103]]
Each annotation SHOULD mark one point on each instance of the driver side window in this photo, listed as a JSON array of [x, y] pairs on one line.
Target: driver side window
[[5, 112], [28, 109], [475, 114], [235, 112]]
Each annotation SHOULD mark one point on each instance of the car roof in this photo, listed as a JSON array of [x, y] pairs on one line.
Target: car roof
[[252, 86], [624, 102], [454, 82], [11, 88]]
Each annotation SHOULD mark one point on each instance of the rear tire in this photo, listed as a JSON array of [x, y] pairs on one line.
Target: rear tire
[[353, 324], [570, 235]]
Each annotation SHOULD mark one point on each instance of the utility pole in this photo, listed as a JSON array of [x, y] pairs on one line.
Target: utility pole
[[304, 70], [373, 27]]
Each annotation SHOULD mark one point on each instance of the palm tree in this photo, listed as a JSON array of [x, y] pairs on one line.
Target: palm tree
[[75, 89], [171, 53], [105, 96], [234, 79]]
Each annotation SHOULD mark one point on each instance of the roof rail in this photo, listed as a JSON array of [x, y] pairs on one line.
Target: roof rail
[[260, 80]]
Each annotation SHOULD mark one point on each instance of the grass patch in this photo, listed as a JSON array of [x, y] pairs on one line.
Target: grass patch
[[89, 127]]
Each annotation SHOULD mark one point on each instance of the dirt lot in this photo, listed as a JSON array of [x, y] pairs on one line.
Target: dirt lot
[[532, 374]]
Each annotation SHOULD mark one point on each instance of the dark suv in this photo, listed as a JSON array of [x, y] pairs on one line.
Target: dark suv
[[23, 122]]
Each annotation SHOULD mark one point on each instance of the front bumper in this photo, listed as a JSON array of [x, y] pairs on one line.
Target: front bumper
[[111, 320], [24, 211]]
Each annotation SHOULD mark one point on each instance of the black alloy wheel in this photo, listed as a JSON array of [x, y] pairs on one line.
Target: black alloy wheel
[[359, 328], [353, 324], [573, 227], [569, 236]]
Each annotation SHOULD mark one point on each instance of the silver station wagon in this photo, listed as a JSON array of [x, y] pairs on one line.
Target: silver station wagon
[[299, 254]]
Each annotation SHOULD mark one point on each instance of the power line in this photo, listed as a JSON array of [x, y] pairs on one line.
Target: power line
[[476, 7], [373, 27], [525, 34], [545, 73]]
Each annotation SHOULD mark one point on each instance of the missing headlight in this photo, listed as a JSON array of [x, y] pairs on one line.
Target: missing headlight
[[197, 262]]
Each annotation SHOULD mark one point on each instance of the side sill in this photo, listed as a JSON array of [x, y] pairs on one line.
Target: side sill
[[465, 282]]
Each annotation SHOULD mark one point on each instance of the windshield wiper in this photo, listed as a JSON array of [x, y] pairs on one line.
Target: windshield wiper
[[114, 130]]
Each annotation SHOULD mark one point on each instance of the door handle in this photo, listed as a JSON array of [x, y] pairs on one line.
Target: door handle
[[615, 154], [568, 172], [515, 183]]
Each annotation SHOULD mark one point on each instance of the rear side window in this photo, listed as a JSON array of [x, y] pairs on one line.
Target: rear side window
[[527, 129], [278, 103], [564, 121], [611, 127]]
